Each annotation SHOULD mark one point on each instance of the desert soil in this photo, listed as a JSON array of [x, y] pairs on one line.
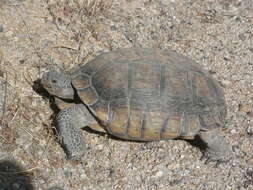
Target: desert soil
[[39, 35]]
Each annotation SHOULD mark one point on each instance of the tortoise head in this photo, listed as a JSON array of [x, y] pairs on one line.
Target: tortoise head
[[58, 84]]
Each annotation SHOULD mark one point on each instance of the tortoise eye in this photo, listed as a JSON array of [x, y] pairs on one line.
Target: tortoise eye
[[54, 81]]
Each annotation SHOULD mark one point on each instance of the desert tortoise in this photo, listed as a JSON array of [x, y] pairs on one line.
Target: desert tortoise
[[139, 94]]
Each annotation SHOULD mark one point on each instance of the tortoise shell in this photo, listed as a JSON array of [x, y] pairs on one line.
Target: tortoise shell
[[149, 94]]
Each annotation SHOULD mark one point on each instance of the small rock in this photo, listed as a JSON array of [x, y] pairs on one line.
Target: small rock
[[16, 186], [250, 161], [246, 108], [211, 72], [249, 172], [249, 130], [242, 37], [238, 19], [1, 28], [225, 83], [8, 34], [250, 114], [84, 176], [55, 188], [159, 174], [100, 147], [233, 131], [13, 2], [113, 28]]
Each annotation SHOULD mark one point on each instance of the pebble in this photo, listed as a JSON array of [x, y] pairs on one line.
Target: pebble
[[16, 186], [84, 176], [249, 130], [55, 188], [13, 2], [250, 161], [233, 131], [225, 83], [242, 37], [246, 108], [100, 147], [8, 34], [1, 28], [249, 172], [159, 174], [250, 114]]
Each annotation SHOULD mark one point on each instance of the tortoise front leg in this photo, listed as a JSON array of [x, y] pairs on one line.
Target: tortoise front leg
[[217, 147], [69, 121]]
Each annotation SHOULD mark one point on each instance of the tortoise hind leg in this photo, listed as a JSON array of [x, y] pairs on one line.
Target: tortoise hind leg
[[69, 121], [217, 147]]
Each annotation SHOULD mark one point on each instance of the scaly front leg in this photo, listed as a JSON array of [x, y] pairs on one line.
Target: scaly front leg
[[69, 121]]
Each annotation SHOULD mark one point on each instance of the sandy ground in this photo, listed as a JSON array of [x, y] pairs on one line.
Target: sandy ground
[[38, 35]]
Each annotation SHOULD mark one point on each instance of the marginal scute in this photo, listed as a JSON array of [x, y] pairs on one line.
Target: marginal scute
[[155, 120], [88, 95], [134, 125], [192, 126], [81, 81], [97, 127], [100, 109], [118, 110], [172, 127]]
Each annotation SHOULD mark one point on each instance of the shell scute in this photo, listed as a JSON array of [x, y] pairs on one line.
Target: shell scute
[[118, 116], [111, 81], [88, 95]]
